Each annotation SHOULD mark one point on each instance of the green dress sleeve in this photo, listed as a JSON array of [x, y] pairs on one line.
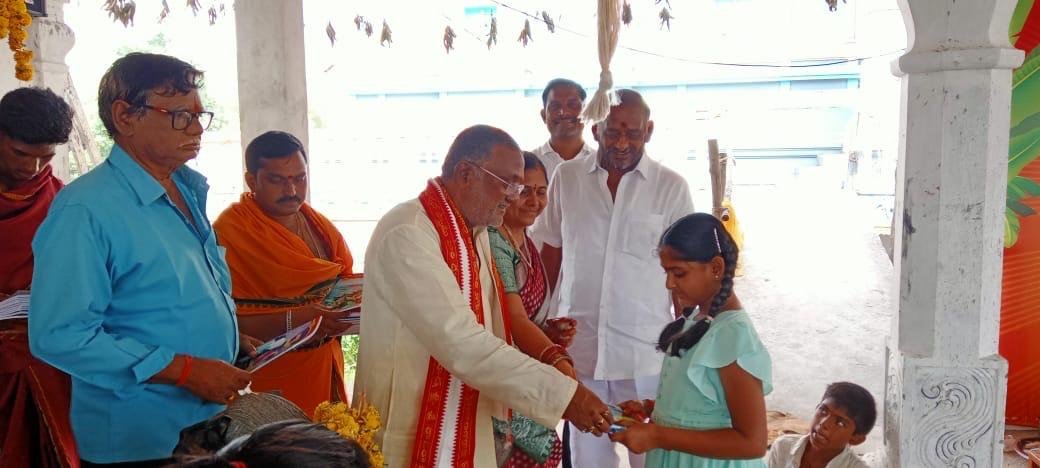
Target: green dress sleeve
[[726, 343], [506, 260]]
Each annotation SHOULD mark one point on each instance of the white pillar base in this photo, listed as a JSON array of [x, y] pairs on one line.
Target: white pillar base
[[944, 414]]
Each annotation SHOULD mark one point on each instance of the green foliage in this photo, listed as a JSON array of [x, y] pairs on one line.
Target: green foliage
[[1024, 144], [104, 142], [1011, 226], [1018, 18], [158, 42], [1025, 88], [1019, 189], [219, 114], [350, 352], [316, 120]]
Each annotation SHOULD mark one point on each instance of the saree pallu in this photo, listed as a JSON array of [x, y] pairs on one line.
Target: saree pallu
[[535, 290], [529, 434], [34, 406]]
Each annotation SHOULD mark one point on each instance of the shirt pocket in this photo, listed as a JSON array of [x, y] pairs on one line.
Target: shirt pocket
[[642, 234]]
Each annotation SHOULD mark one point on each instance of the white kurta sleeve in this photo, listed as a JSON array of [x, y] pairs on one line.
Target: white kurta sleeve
[[548, 226], [432, 308], [682, 204]]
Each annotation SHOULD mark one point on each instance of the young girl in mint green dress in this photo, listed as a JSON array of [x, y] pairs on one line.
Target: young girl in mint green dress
[[710, 407]]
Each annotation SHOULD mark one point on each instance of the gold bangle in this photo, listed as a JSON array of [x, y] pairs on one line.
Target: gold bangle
[[542, 356]]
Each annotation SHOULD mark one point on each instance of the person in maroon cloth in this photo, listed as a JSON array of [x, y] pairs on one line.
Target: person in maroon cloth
[[34, 397]]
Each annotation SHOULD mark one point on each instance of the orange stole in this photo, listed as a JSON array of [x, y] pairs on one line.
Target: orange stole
[[266, 260]]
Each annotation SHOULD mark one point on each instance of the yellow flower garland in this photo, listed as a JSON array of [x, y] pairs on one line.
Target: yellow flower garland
[[14, 23], [359, 423]]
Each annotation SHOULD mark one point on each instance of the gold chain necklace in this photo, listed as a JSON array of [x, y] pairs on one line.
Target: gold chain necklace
[[525, 256]]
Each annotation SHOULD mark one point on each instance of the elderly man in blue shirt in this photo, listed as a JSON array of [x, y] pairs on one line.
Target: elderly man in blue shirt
[[131, 294]]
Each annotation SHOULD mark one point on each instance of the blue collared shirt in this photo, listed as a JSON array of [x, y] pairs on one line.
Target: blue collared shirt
[[123, 282]]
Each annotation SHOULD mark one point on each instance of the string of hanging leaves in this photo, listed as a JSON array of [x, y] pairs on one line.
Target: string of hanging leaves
[[449, 39], [124, 11]]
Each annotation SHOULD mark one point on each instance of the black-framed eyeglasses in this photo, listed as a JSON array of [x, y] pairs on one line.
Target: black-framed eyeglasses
[[181, 120], [512, 190]]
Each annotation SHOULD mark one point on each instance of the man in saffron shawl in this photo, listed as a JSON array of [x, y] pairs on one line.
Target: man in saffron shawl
[[436, 358], [34, 423], [280, 249]]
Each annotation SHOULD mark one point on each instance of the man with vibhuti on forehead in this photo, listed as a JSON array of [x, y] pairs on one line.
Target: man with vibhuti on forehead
[[279, 247], [436, 358], [604, 218]]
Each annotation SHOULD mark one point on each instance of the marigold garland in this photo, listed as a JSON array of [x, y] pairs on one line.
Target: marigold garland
[[359, 423], [14, 24]]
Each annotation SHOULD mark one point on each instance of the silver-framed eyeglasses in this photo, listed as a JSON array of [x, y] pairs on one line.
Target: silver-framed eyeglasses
[[512, 190], [181, 120]]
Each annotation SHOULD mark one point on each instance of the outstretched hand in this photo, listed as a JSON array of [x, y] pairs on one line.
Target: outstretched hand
[[635, 409], [639, 437], [588, 413]]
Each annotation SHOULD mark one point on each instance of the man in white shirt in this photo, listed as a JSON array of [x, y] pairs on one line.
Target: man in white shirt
[[602, 225], [436, 360], [562, 101]]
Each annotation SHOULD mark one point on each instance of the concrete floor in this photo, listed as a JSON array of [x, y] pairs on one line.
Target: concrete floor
[[818, 284]]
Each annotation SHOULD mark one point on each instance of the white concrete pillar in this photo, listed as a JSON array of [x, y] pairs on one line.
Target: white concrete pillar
[[272, 80], [946, 384], [51, 39]]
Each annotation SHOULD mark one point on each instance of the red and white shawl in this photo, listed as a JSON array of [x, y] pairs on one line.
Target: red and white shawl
[[445, 435]]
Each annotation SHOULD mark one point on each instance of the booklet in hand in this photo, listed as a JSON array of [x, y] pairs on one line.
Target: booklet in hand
[[345, 298], [271, 350], [15, 307], [345, 294]]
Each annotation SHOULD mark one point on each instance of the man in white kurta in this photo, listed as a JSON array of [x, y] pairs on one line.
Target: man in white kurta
[[414, 310], [603, 222], [551, 159]]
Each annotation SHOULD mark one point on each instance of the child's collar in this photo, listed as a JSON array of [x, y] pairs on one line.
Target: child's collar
[[799, 449]]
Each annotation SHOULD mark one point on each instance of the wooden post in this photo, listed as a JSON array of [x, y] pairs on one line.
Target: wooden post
[[724, 187], [715, 170]]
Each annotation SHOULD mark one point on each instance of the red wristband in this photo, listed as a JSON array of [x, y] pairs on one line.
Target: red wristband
[[184, 371]]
